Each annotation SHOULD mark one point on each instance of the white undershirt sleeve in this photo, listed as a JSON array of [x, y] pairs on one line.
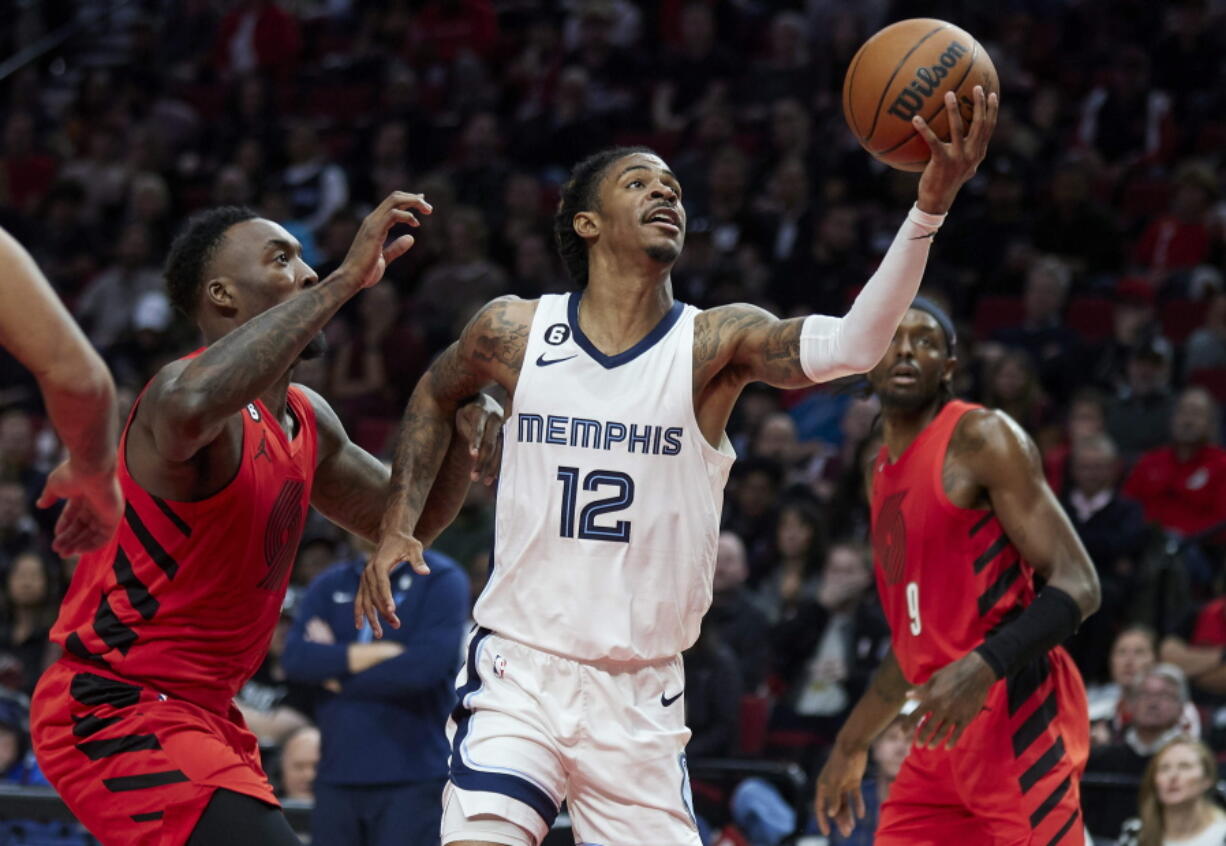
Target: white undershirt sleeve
[[833, 347]]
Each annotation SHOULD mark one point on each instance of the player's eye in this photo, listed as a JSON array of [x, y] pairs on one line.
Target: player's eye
[[282, 258], [634, 182]]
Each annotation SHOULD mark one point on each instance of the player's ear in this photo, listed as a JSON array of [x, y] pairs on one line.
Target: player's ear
[[587, 224], [219, 292], [951, 367]]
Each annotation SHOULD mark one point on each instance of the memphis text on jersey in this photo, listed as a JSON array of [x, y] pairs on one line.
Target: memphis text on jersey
[[609, 435]]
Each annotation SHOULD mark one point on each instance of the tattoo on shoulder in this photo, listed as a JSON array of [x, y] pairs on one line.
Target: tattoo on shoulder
[[499, 337]]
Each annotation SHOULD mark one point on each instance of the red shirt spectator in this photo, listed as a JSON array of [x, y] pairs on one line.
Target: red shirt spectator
[[257, 35], [1183, 486], [1180, 238], [444, 27]]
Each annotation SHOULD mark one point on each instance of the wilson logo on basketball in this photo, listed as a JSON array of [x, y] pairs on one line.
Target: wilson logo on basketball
[[927, 80], [890, 538]]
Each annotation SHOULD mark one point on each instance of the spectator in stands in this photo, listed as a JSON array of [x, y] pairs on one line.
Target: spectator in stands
[[18, 530], [1012, 385], [1125, 120], [1197, 646], [1075, 226], [299, 764], [1086, 416], [1177, 804], [1134, 651], [1112, 529], [1206, 348], [1138, 417], [480, 169], [1179, 238], [464, 275], [739, 622], [384, 702], [17, 763], [1156, 703], [1050, 344], [33, 587], [834, 261], [1182, 486], [699, 64], [106, 307], [257, 35], [27, 169], [799, 553], [775, 439], [19, 454], [712, 696], [315, 186], [750, 510], [826, 651]]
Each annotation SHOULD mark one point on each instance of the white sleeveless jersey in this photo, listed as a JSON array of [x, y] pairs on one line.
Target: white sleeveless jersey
[[609, 497]]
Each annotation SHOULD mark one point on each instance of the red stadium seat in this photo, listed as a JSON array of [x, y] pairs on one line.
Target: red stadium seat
[[1090, 317], [1212, 380], [1180, 318], [754, 714], [996, 312]]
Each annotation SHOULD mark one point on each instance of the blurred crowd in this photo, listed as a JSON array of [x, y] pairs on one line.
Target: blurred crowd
[[1083, 265]]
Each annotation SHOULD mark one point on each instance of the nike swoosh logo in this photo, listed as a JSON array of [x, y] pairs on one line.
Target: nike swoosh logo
[[669, 700], [545, 362]]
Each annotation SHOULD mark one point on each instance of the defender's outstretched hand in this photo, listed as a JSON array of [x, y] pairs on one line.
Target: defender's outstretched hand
[[955, 162], [375, 591], [370, 254], [93, 511], [479, 424]]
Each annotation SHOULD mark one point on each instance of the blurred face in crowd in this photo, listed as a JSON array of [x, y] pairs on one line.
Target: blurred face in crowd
[[845, 577], [776, 437], [1085, 418], [1156, 705], [27, 584], [299, 759], [794, 534], [890, 750], [12, 504], [730, 567], [858, 419], [1192, 419], [837, 229], [910, 374], [1148, 374], [1132, 654], [1180, 776], [16, 438], [1010, 378], [1094, 466], [1044, 298], [640, 209]]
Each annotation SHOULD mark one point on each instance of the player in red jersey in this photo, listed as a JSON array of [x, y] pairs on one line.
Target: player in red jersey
[[962, 520], [220, 460], [79, 395]]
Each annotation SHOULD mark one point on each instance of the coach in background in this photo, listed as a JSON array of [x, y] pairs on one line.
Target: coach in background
[[384, 758]]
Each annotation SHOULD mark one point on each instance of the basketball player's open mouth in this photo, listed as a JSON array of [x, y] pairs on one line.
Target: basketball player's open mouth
[[904, 375], [666, 218]]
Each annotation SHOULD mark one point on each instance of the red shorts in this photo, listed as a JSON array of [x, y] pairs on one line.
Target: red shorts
[[1014, 778], [135, 767]]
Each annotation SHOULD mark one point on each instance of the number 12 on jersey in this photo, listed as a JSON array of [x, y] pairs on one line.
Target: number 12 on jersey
[[588, 528]]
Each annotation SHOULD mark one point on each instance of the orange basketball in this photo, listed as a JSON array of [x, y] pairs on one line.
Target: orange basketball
[[904, 70]]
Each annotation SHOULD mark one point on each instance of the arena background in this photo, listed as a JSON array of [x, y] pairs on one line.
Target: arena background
[[1083, 265]]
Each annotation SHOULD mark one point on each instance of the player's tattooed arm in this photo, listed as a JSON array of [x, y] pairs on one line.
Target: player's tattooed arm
[[351, 485], [1004, 460], [747, 343], [190, 405], [490, 349]]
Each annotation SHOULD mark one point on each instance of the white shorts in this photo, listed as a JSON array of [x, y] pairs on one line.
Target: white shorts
[[532, 729]]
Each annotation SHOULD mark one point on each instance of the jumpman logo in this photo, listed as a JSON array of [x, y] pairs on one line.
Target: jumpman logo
[[263, 450]]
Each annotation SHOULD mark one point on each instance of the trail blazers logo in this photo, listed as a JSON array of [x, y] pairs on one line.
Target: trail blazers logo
[[890, 538], [281, 533]]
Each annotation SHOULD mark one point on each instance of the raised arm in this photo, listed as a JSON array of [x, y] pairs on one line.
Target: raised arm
[[749, 344], [351, 486], [490, 349], [78, 393], [192, 402]]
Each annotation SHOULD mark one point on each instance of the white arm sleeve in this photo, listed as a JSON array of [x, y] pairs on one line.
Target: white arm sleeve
[[833, 347]]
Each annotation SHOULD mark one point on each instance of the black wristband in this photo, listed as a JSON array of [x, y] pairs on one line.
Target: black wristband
[[1046, 622]]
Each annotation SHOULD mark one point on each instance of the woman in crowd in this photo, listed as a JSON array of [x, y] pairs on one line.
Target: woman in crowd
[[1176, 800]]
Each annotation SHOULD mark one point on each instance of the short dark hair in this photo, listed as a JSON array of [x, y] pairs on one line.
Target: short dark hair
[[580, 193], [193, 249]]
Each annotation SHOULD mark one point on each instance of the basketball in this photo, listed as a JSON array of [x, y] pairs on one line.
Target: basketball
[[904, 70]]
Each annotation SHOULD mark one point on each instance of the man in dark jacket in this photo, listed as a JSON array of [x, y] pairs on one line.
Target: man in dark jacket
[[384, 758]]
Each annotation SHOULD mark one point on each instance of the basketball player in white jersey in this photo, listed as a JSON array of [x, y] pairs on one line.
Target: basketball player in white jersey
[[614, 463]]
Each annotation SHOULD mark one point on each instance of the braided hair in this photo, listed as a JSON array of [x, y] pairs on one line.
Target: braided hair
[[582, 193]]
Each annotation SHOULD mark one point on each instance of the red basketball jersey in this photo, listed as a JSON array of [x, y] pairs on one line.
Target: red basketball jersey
[[946, 575], [185, 596]]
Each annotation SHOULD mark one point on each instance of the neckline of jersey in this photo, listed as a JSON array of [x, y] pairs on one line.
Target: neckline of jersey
[[913, 447], [647, 342]]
